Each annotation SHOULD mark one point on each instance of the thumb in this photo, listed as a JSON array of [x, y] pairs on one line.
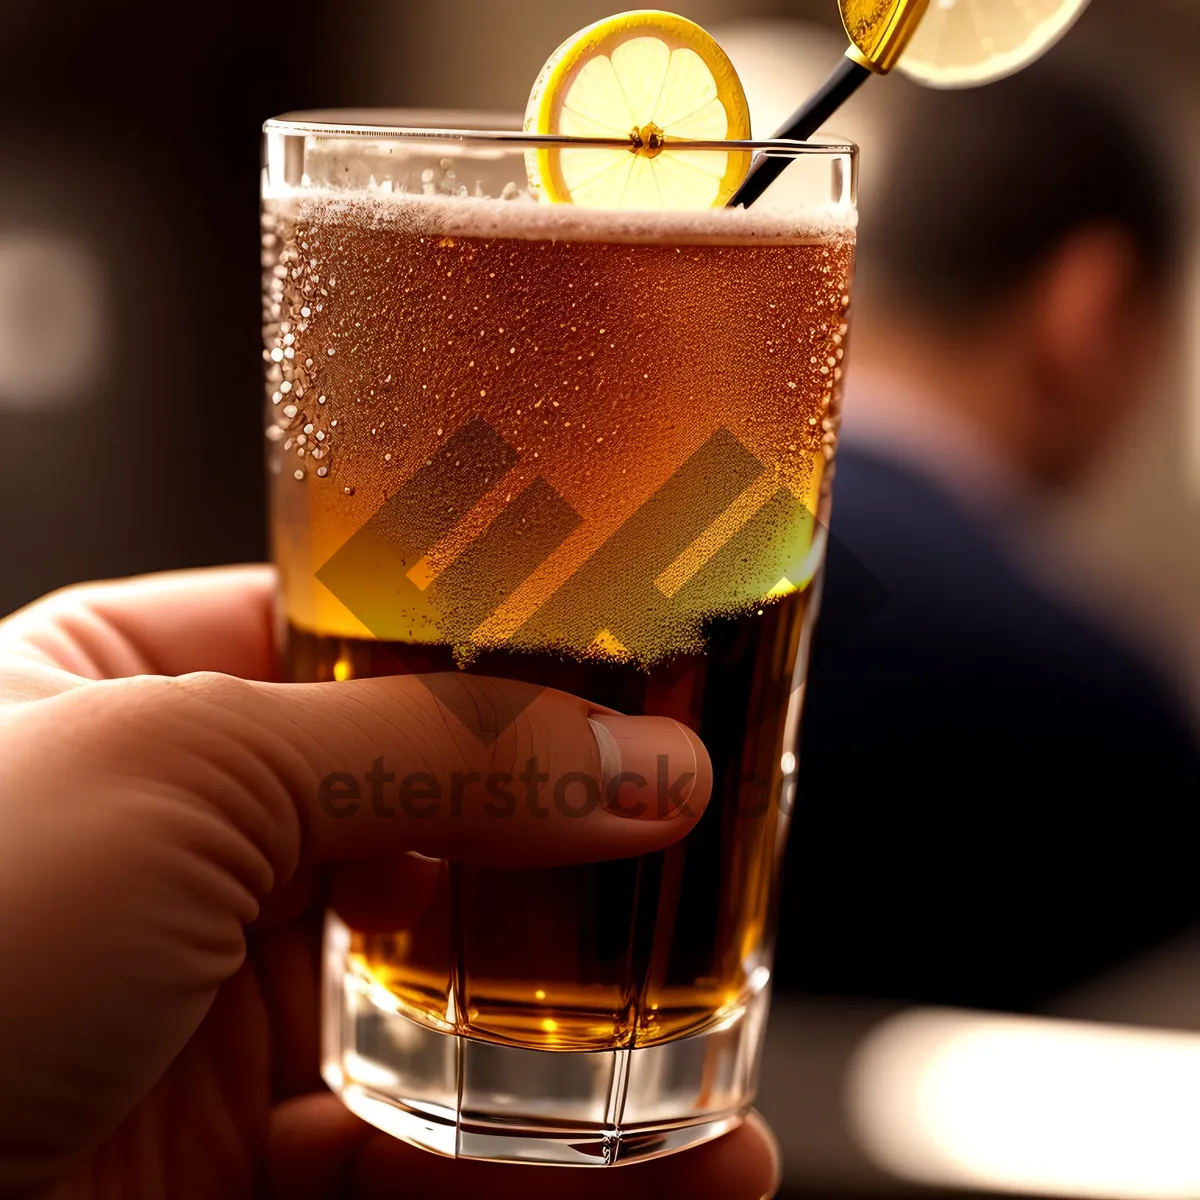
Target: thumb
[[452, 766]]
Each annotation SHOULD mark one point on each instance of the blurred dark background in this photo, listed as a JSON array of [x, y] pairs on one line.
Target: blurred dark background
[[130, 355]]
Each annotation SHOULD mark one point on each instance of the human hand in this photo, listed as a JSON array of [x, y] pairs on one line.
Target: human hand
[[163, 868]]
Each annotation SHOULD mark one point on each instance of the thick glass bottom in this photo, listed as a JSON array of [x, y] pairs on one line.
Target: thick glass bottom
[[473, 1099]]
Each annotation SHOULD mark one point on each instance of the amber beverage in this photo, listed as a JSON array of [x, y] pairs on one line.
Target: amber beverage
[[590, 450]]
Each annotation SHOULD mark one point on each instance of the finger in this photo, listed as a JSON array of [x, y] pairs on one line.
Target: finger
[[313, 1142], [478, 770], [287, 965], [386, 895], [304, 893], [455, 767], [167, 624], [317, 1151]]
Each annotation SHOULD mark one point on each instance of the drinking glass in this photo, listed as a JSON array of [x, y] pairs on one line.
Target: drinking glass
[[591, 449]]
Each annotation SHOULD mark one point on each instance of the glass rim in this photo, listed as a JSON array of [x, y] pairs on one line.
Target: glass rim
[[418, 126]]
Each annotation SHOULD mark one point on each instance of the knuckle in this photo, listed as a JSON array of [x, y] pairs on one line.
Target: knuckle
[[162, 706], [213, 687]]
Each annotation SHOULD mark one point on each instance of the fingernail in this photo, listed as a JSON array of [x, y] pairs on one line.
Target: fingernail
[[652, 768]]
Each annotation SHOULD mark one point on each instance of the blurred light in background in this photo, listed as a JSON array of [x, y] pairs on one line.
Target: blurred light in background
[[782, 62], [1030, 1105], [53, 336]]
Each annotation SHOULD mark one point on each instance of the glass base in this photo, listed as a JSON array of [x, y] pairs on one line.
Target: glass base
[[472, 1099]]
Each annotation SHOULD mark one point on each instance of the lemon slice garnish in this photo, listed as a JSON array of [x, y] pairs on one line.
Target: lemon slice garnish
[[964, 43], [650, 79]]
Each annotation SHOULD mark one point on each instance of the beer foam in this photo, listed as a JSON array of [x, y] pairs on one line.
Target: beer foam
[[524, 217]]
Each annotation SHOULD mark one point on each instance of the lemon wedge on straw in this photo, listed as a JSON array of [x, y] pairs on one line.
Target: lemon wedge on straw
[[649, 79], [964, 43]]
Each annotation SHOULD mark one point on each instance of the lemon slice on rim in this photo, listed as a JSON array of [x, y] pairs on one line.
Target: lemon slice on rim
[[650, 79], [965, 43]]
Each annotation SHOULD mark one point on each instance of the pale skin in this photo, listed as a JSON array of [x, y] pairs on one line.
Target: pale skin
[[164, 867]]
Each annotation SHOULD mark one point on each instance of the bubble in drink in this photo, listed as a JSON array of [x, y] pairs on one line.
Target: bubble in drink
[[589, 450]]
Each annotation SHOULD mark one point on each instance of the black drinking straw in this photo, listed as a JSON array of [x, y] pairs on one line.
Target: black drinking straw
[[800, 126]]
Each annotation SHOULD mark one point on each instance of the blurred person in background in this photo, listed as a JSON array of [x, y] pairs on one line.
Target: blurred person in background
[[994, 788]]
